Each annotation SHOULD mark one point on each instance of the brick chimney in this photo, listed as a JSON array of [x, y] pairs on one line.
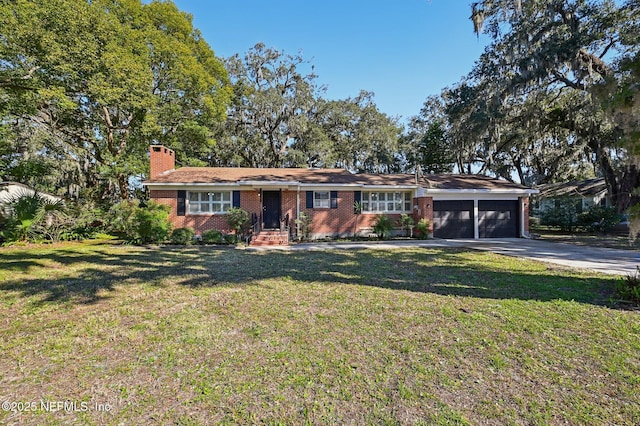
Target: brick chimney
[[162, 159]]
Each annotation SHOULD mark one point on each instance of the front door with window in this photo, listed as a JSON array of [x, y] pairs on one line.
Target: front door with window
[[271, 209]]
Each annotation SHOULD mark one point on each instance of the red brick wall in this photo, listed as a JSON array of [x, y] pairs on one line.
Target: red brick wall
[[289, 205], [332, 222], [341, 221], [199, 223], [161, 160], [425, 210], [250, 201]]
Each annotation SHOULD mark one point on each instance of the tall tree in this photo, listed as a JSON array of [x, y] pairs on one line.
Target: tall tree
[[426, 140], [278, 118], [567, 46], [356, 136], [106, 77], [272, 102]]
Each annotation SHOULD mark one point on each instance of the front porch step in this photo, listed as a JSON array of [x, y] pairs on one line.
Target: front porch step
[[270, 238]]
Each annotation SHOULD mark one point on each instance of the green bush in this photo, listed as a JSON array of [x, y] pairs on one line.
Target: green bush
[[534, 222], [383, 226], [212, 236], [182, 236], [87, 223], [423, 228], [3, 226], [122, 219], [153, 223], [230, 238], [304, 225], [32, 217], [629, 287], [140, 225], [599, 219], [38, 219], [563, 215], [238, 220], [406, 222]]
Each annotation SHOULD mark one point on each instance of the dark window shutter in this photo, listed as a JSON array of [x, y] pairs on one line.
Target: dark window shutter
[[182, 208], [357, 198], [236, 198], [334, 199], [309, 199]]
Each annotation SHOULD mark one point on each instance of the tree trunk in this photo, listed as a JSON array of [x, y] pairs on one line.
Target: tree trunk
[[123, 185], [628, 182], [620, 185]]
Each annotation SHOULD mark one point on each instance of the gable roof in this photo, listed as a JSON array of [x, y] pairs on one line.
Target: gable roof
[[302, 176], [584, 188]]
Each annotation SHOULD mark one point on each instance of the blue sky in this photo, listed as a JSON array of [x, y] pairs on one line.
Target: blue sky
[[403, 50]]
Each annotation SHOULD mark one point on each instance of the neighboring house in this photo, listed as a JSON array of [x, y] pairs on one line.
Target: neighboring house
[[586, 194], [457, 206], [10, 191]]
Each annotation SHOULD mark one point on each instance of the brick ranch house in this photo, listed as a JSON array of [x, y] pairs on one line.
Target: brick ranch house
[[457, 206]]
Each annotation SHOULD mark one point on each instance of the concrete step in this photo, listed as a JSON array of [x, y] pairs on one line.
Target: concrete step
[[268, 243], [270, 238]]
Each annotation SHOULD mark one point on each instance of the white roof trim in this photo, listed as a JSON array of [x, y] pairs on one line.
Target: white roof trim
[[480, 191]]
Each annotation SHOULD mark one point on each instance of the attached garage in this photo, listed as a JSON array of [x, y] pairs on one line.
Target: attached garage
[[498, 219], [453, 219]]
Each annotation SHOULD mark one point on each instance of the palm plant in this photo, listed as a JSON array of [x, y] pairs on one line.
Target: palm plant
[[383, 226], [26, 211]]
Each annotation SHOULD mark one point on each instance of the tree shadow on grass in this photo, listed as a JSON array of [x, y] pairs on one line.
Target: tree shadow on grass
[[87, 275]]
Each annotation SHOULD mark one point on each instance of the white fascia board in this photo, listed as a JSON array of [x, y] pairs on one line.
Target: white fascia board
[[476, 196], [519, 192], [469, 195]]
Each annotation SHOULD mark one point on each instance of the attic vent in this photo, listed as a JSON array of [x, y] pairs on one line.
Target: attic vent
[[156, 149]]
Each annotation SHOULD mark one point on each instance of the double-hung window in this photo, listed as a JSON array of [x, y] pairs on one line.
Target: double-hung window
[[386, 202], [321, 199], [209, 202]]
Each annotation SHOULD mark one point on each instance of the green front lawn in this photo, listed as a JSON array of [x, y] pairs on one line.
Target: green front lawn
[[201, 335]]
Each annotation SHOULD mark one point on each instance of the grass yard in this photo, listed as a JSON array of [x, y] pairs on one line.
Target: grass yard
[[200, 335], [618, 241]]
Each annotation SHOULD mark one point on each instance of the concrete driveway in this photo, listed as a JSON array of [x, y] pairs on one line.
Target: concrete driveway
[[608, 261]]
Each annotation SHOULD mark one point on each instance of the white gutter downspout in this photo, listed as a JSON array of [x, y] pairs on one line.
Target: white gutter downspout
[[476, 220], [298, 212], [522, 232]]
